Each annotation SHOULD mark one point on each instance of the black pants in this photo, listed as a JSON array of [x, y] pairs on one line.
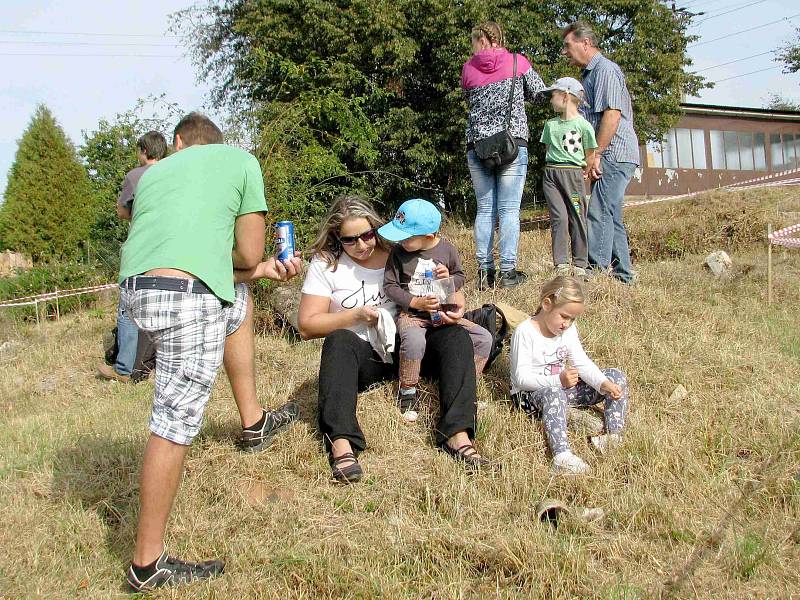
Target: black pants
[[349, 365]]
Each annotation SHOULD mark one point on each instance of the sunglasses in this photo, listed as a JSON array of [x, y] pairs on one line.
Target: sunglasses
[[349, 240]]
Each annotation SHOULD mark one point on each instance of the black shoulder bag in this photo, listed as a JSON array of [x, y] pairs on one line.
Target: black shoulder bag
[[501, 148]]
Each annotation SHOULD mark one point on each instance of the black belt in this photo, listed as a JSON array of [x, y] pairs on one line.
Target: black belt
[[168, 284]]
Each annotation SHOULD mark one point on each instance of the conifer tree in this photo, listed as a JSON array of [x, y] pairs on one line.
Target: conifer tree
[[48, 206]]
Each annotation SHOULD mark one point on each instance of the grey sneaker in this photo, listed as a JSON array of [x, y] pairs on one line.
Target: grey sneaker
[[512, 278], [255, 440], [172, 571], [563, 270], [580, 273]]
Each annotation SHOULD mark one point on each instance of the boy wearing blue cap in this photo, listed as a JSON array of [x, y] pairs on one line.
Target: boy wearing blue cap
[[570, 144], [419, 254]]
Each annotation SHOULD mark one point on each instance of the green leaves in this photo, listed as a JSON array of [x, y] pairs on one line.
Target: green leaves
[[375, 86], [48, 202]]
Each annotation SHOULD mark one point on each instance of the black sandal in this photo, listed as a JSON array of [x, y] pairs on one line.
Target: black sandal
[[469, 456], [351, 473]]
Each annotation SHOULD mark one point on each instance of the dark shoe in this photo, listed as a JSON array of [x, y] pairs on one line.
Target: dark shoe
[[512, 278], [468, 455], [255, 440], [174, 571], [486, 279], [350, 473], [408, 404], [108, 373]]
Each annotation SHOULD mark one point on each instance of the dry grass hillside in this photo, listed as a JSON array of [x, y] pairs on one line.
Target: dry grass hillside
[[419, 526]]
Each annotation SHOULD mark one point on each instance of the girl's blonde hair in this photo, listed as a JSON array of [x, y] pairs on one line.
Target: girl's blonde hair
[[491, 31], [561, 290], [327, 244]]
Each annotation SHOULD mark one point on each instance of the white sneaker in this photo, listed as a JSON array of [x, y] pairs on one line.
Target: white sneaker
[[567, 462], [607, 441], [410, 416]]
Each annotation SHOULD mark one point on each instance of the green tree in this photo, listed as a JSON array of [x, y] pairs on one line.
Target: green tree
[[778, 102], [789, 54], [366, 94], [109, 152], [48, 201]]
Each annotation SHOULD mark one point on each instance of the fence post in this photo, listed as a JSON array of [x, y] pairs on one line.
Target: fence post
[[36, 308], [769, 264], [58, 312]]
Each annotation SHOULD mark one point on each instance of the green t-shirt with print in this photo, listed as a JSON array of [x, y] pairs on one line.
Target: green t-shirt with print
[[186, 208], [568, 140]]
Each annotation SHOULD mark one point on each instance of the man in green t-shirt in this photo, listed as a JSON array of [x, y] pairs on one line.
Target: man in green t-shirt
[[196, 237], [570, 142]]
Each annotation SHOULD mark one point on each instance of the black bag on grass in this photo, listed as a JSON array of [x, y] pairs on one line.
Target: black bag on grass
[[494, 321]]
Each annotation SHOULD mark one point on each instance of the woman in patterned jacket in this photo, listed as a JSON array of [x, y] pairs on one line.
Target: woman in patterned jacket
[[486, 81]]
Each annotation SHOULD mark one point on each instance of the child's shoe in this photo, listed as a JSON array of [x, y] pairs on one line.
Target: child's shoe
[[607, 441], [408, 403], [579, 273], [563, 269], [567, 462]]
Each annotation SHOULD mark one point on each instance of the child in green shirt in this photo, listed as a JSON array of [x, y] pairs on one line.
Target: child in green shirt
[[570, 144]]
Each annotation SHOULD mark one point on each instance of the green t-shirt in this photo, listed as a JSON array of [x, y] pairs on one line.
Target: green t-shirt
[[567, 141], [186, 207]]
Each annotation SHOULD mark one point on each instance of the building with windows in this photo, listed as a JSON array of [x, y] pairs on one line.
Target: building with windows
[[714, 146]]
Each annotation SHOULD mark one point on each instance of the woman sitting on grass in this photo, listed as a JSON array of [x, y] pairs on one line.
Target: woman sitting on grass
[[550, 371], [342, 294]]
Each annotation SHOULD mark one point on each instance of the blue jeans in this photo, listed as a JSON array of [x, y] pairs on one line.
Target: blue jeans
[[128, 342], [499, 194], [608, 240]]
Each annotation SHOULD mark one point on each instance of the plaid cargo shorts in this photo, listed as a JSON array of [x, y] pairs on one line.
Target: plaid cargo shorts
[[189, 332]]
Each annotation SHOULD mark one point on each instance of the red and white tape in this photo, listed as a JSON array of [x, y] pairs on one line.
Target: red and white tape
[[784, 237], [49, 296]]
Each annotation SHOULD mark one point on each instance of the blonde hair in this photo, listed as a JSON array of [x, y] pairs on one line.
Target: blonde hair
[[561, 290], [327, 244], [491, 31]]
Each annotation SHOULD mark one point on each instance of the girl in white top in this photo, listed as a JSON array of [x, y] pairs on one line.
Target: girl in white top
[[550, 370]]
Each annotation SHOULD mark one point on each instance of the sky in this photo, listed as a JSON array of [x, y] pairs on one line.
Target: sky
[[47, 56]]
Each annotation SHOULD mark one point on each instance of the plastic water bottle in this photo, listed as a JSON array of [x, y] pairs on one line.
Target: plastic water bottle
[[436, 318]]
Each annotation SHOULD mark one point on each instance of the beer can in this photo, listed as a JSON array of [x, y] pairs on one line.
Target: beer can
[[284, 240]]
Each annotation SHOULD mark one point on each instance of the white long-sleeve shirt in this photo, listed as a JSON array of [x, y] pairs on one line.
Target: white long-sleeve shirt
[[537, 361]]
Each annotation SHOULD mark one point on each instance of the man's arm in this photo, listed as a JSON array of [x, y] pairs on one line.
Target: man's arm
[[248, 240], [605, 133], [123, 212]]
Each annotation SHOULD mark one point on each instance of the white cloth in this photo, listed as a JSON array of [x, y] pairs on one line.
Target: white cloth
[[537, 361], [349, 286], [382, 335]]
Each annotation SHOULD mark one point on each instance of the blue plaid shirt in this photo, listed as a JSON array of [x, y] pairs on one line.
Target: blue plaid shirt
[[605, 88]]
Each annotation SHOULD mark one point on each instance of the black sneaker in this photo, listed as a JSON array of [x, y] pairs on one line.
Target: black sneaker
[[486, 279], [275, 421], [174, 571], [408, 404], [512, 278]]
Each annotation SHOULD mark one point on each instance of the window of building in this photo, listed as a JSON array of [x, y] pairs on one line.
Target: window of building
[[731, 150], [717, 150], [759, 152], [788, 151], [776, 151], [654, 158], [746, 151], [683, 138], [699, 148]]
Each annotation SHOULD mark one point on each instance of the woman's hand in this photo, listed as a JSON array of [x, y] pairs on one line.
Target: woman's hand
[[452, 317], [609, 388], [424, 303], [569, 378], [368, 315]]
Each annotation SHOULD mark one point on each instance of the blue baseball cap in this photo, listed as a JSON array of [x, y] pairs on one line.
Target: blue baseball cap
[[414, 217]]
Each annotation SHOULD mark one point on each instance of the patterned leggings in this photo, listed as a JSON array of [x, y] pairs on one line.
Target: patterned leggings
[[550, 405]]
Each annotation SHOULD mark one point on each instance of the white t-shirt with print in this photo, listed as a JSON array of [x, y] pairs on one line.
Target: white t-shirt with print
[[350, 286]]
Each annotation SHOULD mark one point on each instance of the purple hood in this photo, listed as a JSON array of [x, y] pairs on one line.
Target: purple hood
[[491, 66]]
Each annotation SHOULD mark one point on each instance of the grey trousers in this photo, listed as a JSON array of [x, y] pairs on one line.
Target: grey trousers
[[564, 191]]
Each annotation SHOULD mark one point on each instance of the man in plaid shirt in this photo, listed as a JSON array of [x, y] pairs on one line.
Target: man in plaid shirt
[[185, 288], [610, 112]]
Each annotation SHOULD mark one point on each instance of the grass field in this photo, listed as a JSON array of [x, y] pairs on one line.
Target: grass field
[[419, 526]]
